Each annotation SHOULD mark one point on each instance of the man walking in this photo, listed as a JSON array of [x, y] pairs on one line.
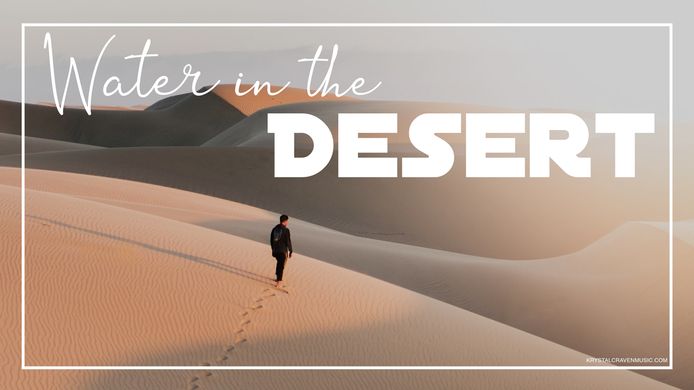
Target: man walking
[[281, 244]]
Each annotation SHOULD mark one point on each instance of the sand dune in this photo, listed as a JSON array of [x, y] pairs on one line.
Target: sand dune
[[11, 144], [534, 219], [567, 295], [250, 103], [532, 223], [252, 131], [191, 121], [111, 285], [152, 284]]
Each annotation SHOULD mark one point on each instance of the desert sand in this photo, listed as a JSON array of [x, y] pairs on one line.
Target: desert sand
[[572, 292], [113, 280]]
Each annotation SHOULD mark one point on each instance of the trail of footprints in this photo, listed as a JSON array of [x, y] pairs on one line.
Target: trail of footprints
[[239, 338]]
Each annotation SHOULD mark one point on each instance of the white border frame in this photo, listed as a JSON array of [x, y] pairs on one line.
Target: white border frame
[[669, 26]]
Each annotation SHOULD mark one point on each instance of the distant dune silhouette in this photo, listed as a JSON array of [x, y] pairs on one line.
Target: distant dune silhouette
[[183, 120]]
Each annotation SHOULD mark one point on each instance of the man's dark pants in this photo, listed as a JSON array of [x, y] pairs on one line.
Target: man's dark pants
[[281, 260]]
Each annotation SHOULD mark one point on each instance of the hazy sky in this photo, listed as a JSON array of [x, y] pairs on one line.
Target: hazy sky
[[579, 69], [587, 69]]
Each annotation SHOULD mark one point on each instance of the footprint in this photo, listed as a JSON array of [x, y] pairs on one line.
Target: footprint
[[239, 333]]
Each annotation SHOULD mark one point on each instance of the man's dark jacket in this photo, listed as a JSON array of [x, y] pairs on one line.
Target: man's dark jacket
[[284, 244]]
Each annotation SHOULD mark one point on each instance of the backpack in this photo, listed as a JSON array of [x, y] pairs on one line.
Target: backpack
[[276, 236]]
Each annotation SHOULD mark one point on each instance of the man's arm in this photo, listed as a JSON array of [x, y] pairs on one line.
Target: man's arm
[[289, 242]]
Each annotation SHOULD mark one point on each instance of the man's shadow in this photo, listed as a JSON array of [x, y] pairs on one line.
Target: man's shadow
[[200, 260]]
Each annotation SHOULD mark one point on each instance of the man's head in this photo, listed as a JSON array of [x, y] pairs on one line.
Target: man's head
[[284, 220]]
